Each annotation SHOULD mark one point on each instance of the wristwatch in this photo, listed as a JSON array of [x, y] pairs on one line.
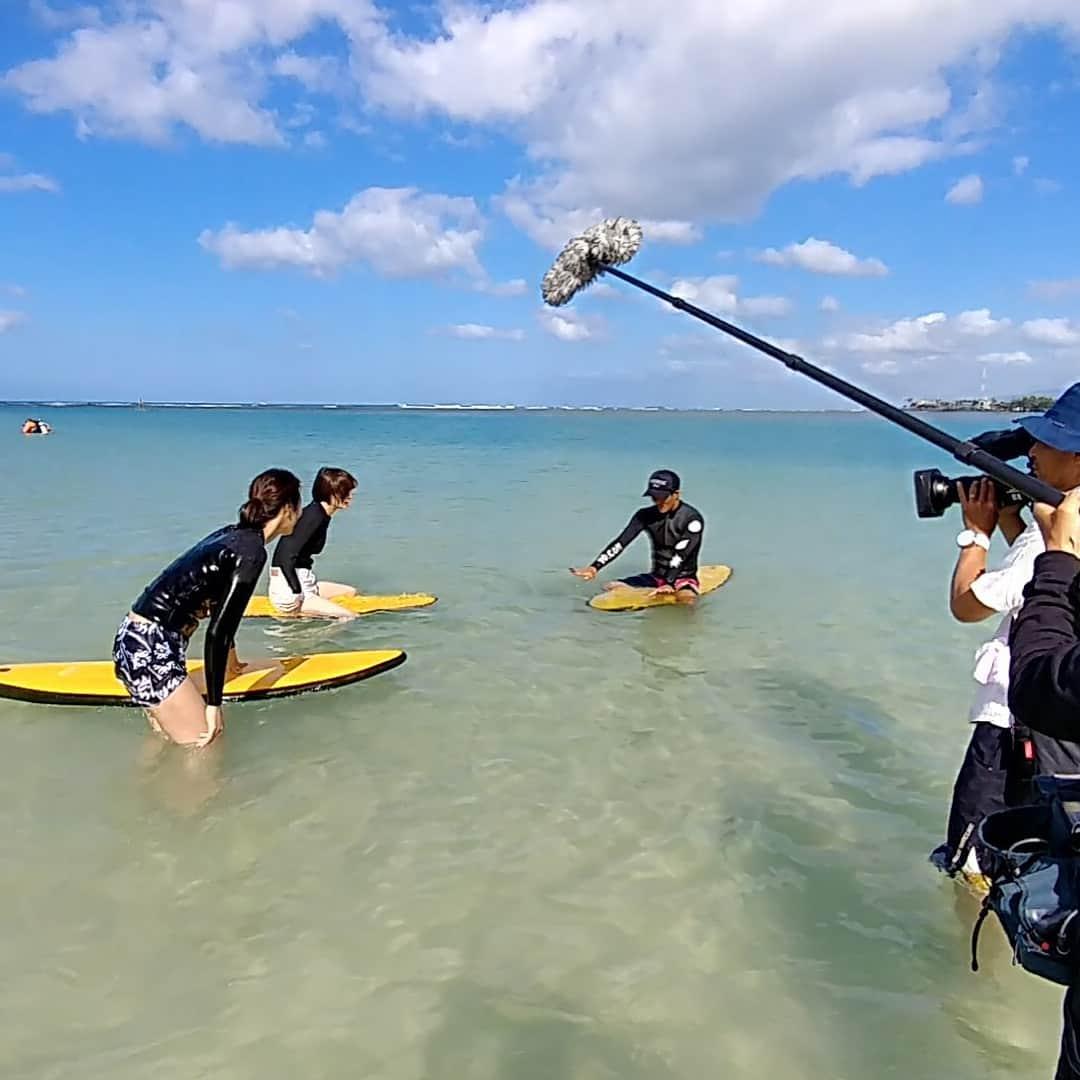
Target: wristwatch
[[970, 536]]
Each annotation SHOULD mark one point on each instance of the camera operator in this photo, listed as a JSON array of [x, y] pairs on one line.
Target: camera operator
[[976, 594]]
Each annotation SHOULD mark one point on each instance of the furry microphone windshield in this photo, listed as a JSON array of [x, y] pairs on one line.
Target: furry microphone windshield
[[609, 243]]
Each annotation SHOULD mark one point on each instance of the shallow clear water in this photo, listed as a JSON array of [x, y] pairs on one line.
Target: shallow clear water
[[555, 843]]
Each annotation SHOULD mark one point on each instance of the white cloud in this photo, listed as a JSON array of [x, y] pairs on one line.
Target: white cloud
[[949, 350], [904, 335], [205, 66], [823, 257], [766, 305], [1020, 164], [319, 74], [10, 319], [1054, 289], [979, 323], [316, 140], [565, 326], [934, 332], [516, 287], [586, 88], [881, 367], [400, 232], [718, 294], [478, 332], [715, 293], [1018, 356], [967, 191], [1058, 333], [830, 304], [14, 290], [671, 232], [602, 288], [19, 182], [551, 225], [64, 19]]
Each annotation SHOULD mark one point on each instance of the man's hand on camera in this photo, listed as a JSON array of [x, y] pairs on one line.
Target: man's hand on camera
[[1060, 526], [980, 506]]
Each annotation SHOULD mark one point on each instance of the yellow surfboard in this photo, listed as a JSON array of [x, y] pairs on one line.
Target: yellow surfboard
[[92, 682], [625, 598], [259, 607]]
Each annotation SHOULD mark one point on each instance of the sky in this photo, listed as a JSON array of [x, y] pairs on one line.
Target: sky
[[355, 201]]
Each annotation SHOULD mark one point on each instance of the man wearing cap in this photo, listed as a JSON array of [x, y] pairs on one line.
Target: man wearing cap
[[675, 529], [978, 593]]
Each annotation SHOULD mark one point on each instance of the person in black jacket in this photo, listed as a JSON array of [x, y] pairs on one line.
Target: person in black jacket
[[1044, 671], [675, 529], [213, 579], [294, 587]]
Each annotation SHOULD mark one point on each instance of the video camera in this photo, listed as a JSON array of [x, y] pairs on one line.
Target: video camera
[[935, 492]]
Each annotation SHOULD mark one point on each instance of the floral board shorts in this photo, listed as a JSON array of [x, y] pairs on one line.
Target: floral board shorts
[[149, 660]]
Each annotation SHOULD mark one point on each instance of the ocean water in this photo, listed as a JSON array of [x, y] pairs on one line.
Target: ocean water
[[555, 844]]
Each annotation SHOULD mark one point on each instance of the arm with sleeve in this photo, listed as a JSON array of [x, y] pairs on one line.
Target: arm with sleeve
[[225, 621], [1002, 589], [290, 547], [1044, 677], [617, 546]]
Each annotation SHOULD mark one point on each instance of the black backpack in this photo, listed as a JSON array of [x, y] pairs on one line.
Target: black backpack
[[1031, 858]]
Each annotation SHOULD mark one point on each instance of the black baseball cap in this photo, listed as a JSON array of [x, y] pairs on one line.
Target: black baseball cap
[[663, 482]]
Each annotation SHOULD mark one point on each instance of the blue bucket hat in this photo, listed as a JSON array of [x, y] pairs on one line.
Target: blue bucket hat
[[1059, 426]]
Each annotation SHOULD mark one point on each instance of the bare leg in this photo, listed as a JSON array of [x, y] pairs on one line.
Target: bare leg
[[319, 605], [330, 589], [686, 596], [182, 715]]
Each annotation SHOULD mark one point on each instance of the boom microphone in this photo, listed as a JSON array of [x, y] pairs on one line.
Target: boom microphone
[[617, 240]]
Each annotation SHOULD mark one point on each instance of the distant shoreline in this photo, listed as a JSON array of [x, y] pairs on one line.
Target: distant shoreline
[[962, 406], [1033, 403]]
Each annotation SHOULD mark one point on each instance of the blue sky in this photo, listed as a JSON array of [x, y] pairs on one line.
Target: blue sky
[[342, 200]]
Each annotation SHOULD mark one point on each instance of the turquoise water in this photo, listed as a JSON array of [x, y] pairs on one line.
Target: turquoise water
[[555, 843]]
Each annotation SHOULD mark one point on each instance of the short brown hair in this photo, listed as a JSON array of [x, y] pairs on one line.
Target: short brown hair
[[332, 484]]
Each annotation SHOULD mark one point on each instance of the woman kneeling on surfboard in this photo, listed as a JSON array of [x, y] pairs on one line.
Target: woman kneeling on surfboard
[[294, 588], [214, 579]]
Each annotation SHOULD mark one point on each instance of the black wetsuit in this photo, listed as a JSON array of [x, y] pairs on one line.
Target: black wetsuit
[[214, 578], [308, 538], [1044, 696], [675, 537]]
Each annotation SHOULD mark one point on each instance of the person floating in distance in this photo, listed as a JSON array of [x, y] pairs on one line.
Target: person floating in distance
[[214, 579], [294, 588], [675, 529]]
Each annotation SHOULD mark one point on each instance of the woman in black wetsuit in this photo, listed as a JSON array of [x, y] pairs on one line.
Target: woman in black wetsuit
[[214, 579], [294, 587]]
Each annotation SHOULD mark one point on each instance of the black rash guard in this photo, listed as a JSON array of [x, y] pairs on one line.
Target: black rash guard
[[214, 578], [676, 541], [307, 538]]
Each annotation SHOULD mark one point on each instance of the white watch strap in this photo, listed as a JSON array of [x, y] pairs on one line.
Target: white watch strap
[[970, 537]]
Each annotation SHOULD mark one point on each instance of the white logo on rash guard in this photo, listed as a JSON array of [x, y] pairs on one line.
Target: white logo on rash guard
[[682, 545], [606, 556], [694, 526]]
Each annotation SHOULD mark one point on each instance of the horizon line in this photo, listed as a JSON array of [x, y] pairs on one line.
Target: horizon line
[[458, 406]]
